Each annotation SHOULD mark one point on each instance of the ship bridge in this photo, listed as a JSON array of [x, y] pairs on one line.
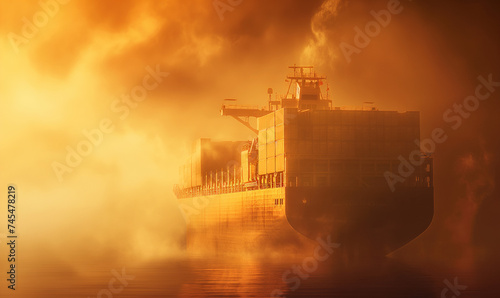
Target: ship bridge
[[304, 90]]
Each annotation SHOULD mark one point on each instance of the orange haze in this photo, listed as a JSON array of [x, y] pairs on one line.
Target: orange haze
[[71, 74]]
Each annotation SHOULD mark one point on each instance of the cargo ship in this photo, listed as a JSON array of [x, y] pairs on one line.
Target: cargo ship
[[313, 171]]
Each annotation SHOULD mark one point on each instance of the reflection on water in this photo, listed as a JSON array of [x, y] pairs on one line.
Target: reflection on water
[[233, 277]]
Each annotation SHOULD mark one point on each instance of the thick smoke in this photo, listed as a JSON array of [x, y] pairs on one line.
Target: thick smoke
[[119, 199]]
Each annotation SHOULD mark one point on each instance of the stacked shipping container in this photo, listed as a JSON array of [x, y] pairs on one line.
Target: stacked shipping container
[[272, 141], [316, 147], [321, 145], [211, 157]]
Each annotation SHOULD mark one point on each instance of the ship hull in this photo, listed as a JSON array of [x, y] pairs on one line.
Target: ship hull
[[366, 220], [248, 221], [291, 219]]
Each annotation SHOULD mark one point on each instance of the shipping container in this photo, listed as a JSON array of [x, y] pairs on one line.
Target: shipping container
[[271, 165], [262, 136], [290, 116], [262, 151], [265, 121], [262, 166], [279, 116], [261, 125], [319, 133], [292, 165], [333, 133], [320, 148], [306, 165], [280, 132], [208, 156], [334, 148], [321, 166], [271, 149], [334, 118], [305, 147], [280, 147], [320, 118], [280, 163], [270, 137], [291, 147], [291, 132], [252, 172], [347, 118]]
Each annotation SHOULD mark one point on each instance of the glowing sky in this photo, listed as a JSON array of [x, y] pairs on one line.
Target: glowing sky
[[62, 77]]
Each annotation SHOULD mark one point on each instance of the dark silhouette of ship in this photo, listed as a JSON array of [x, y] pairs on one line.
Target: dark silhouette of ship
[[313, 170]]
